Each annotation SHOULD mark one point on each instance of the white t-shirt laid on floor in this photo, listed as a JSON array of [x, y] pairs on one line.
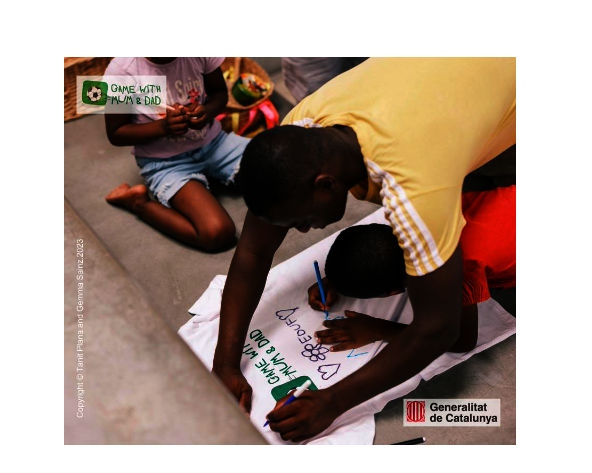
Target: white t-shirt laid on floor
[[280, 346]]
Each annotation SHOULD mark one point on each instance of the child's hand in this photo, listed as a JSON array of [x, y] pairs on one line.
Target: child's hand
[[355, 331], [197, 116], [175, 122], [314, 296]]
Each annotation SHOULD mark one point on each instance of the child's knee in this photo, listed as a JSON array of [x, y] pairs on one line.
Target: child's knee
[[217, 235]]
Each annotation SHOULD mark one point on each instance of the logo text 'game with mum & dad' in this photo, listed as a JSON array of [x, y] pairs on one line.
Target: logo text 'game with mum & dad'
[[144, 95]]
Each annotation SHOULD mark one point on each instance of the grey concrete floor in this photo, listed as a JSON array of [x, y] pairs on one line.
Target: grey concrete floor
[[129, 378], [172, 276]]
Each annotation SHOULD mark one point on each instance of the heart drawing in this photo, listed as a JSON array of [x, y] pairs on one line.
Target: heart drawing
[[328, 370]]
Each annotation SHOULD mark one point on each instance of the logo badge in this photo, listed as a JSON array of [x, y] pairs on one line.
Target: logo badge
[[415, 411], [94, 92]]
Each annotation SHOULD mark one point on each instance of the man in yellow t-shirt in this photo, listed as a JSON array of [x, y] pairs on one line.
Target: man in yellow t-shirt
[[402, 133]]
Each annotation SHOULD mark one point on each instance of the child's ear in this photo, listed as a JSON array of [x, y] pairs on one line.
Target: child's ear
[[394, 292], [325, 182]]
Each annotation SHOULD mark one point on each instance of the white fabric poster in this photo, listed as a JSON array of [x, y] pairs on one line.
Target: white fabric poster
[[280, 347]]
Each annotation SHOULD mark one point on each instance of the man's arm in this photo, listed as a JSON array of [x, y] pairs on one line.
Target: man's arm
[[467, 339], [436, 299], [357, 330], [244, 285], [469, 330]]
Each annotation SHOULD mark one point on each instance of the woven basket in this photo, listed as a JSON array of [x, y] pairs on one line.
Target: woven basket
[[79, 66], [244, 65]]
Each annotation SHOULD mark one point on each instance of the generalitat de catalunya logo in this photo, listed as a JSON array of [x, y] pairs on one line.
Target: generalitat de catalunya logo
[[415, 411], [452, 413], [94, 92]]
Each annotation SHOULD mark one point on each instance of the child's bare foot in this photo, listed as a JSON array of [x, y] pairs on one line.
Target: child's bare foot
[[130, 198]]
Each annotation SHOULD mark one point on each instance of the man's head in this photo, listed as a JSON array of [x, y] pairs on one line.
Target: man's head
[[366, 261], [290, 177]]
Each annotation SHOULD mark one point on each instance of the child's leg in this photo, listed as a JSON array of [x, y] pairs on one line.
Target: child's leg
[[224, 155], [213, 227], [171, 221]]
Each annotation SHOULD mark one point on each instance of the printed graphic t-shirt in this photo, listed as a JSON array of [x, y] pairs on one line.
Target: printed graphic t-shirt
[[184, 76], [422, 124]]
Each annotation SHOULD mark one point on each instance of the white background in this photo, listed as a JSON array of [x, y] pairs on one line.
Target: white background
[[549, 40]]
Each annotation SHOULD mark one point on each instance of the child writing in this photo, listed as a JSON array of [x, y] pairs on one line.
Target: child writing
[[365, 261], [177, 153]]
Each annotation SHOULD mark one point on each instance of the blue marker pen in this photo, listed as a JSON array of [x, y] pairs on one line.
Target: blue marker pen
[[318, 272], [298, 392]]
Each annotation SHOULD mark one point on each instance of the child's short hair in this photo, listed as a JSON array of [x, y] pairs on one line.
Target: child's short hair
[[365, 261]]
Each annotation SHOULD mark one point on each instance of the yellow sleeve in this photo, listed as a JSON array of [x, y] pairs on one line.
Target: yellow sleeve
[[443, 221], [427, 225]]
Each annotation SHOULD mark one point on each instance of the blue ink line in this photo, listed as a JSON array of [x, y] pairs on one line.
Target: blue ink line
[[359, 354]]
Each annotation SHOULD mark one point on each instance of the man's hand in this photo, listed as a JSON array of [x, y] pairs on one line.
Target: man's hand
[[197, 116], [236, 383], [304, 418], [355, 331], [175, 122], [314, 296]]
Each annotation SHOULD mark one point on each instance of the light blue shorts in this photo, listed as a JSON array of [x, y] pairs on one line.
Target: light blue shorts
[[219, 160]]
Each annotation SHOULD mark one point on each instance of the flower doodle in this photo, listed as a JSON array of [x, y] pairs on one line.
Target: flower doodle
[[314, 352]]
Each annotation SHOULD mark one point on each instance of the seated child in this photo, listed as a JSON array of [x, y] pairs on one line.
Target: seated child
[[177, 153], [365, 261]]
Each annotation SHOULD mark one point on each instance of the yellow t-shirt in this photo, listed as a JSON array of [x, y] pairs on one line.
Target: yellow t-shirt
[[423, 124]]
